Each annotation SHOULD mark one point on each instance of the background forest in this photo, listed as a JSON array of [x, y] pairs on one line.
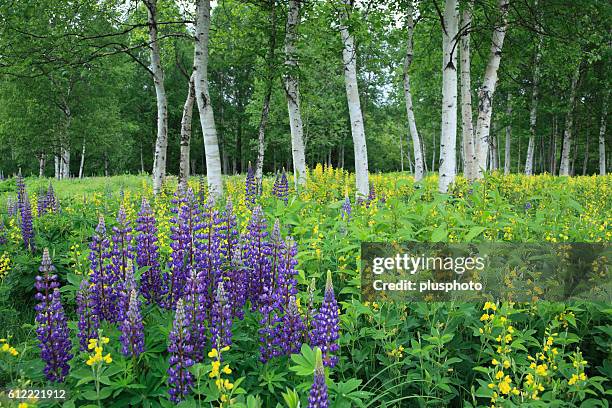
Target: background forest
[[75, 75]]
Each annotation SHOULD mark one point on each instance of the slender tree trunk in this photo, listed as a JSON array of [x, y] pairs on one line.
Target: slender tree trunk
[[106, 174], [205, 110], [142, 169], [602, 136], [82, 164], [448, 136], [469, 157], [65, 163], [56, 160], [349, 59], [416, 139], [186, 131], [487, 90], [161, 142], [494, 158], [507, 156], [42, 159], [553, 155], [534, 106], [265, 109], [292, 91], [564, 168]]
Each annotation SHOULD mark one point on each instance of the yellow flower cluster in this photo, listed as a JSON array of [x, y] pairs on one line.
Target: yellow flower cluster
[[5, 265], [7, 348], [396, 353], [97, 346], [224, 385]]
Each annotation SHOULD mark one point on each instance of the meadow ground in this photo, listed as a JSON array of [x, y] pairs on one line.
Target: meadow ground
[[388, 354]]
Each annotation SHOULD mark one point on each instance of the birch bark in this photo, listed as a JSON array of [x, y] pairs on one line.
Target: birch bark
[[602, 136], [508, 144], [186, 131], [487, 90], [466, 96], [349, 59], [448, 136], [564, 167], [534, 105], [205, 110]]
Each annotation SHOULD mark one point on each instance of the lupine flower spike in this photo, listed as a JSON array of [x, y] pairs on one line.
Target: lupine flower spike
[[325, 332], [88, 321], [318, 397], [52, 327], [180, 349], [132, 329]]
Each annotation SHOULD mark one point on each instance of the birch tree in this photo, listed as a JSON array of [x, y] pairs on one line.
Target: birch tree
[[602, 136], [265, 108], [186, 131], [205, 110], [534, 104], [349, 59], [508, 144], [487, 90], [416, 139], [466, 95], [448, 136], [161, 143], [564, 167], [292, 91]]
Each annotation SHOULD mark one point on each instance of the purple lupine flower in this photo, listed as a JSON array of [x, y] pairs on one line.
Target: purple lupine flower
[[52, 330], [103, 293], [345, 211], [221, 320], [88, 321], [269, 329], [123, 289], [183, 234], [281, 187], [51, 200], [27, 230], [147, 254], [285, 280], [256, 253], [208, 254], [528, 206], [122, 242], [132, 329], [250, 189], [292, 329], [3, 239], [232, 272], [325, 330], [318, 397], [195, 300], [180, 349], [371, 195], [21, 189], [41, 203]]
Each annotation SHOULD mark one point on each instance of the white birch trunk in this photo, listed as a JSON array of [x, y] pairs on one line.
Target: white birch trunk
[[469, 157], [161, 142], [186, 132], [292, 91], [534, 106], [42, 159], [56, 160], [349, 59], [416, 139], [82, 164], [65, 163], [602, 136], [485, 94], [205, 110], [448, 137], [508, 145], [564, 167]]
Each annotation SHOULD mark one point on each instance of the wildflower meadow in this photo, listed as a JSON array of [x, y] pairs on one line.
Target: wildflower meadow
[[111, 296]]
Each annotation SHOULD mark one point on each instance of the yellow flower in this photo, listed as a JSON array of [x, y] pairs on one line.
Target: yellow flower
[[542, 370], [494, 362], [227, 370], [499, 375], [213, 353], [504, 387], [506, 363], [484, 317]]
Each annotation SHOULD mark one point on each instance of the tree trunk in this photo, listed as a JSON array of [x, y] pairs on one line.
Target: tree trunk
[[534, 105], [494, 158], [142, 169], [553, 154], [82, 164], [585, 163], [602, 136], [416, 139], [56, 159], [65, 163], [161, 142], [487, 90], [507, 156], [466, 96], [265, 109], [564, 167], [42, 159], [186, 132], [349, 59], [205, 110], [448, 136], [293, 94]]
